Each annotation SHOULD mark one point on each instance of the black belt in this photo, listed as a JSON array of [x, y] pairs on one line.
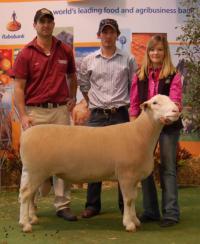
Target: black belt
[[110, 110], [47, 105]]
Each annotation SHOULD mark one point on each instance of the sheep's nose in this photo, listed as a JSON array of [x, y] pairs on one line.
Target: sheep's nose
[[176, 111]]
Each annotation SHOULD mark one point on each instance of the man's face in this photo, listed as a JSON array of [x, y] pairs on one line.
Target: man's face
[[108, 37], [44, 27]]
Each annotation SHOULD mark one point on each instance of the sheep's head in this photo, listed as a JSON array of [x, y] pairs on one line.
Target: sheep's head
[[162, 108]]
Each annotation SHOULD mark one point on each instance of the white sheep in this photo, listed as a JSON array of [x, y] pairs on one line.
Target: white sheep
[[122, 152]]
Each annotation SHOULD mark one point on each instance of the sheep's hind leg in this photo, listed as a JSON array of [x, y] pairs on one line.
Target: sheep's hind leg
[[24, 209], [32, 211], [27, 194]]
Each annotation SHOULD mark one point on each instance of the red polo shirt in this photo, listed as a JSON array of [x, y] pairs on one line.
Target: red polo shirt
[[46, 79]]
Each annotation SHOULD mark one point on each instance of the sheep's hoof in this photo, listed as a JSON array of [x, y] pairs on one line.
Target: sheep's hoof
[[34, 220], [20, 223], [27, 228], [137, 222], [131, 227]]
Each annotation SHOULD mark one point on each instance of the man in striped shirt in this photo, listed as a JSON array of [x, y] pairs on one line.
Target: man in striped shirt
[[105, 78]]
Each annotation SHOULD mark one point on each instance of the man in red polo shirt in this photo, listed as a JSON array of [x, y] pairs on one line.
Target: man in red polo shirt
[[45, 91]]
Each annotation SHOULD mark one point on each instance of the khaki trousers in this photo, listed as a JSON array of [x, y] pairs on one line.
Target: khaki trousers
[[59, 115]]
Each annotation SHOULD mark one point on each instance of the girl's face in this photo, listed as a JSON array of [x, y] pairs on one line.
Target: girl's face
[[157, 54]]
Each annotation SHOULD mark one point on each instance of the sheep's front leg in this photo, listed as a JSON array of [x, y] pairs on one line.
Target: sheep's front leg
[[129, 192], [132, 208]]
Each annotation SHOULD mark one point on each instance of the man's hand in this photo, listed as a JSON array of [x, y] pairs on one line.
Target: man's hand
[[71, 104], [26, 122], [80, 113]]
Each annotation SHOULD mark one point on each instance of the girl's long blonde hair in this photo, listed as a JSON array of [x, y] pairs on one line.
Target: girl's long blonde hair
[[167, 66]]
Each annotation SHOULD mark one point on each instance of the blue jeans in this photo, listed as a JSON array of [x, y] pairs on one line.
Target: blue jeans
[[100, 119], [170, 208]]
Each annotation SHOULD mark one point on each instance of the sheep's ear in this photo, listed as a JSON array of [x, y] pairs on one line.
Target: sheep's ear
[[144, 106]]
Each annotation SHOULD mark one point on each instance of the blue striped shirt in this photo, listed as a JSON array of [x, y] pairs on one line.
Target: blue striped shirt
[[107, 80]]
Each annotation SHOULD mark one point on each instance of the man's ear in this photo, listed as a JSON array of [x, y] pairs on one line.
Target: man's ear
[[144, 106]]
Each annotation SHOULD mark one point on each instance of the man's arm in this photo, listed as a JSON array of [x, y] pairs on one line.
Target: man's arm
[[19, 86], [84, 81], [85, 95], [132, 69], [72, 91]]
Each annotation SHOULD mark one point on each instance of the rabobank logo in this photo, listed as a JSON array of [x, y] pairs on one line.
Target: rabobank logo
[[13, 25]]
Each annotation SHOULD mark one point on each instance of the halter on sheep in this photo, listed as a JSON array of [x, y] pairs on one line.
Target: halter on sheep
[[78, 154]]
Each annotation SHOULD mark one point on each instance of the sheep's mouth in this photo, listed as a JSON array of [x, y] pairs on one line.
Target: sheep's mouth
[[167, 120], [172, 117]]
